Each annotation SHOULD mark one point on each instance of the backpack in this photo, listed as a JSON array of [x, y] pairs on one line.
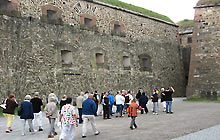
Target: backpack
[[127, 99]]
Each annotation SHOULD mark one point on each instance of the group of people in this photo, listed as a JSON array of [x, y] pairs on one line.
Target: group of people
[[87, 104]]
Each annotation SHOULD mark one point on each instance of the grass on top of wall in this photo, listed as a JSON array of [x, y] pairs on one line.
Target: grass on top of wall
[[199, 99], [136, 9], [186, 23]]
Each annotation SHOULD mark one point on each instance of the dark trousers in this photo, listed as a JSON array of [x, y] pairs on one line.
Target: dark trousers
[[110, 110], [97, 105], [145, 109], [105, 111], [133, 122], [80, 115]]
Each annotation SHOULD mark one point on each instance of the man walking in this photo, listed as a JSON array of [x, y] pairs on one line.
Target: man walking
[[69, 120], [37, 107], [111, 102], [88, 112], [79, 101]]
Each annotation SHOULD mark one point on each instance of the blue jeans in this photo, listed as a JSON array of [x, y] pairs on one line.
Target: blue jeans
[[119, 109], [110, 110], [168, 103]]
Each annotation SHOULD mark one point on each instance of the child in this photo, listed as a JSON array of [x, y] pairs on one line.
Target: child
[[132, 112]]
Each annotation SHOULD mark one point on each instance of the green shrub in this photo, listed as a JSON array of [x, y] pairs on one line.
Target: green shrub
[[121, 34], [12, 13], [85, 27]]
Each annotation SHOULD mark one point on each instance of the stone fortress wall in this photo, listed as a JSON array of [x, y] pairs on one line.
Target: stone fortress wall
[[204, 73], [95, 46]]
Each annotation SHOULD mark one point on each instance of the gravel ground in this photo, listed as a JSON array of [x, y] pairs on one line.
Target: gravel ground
[[187, 118]]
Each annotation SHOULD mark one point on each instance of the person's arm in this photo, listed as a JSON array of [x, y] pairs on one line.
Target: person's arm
[[172, 89], [75, 118]]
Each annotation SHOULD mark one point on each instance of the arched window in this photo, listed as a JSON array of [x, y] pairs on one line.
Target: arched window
[[118, 28], [66, 58]]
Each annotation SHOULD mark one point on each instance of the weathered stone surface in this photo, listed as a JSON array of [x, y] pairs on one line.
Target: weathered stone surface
[[205, 63], [33, 53]]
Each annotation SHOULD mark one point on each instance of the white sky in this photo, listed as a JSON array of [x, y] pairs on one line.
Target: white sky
[[176, 10]]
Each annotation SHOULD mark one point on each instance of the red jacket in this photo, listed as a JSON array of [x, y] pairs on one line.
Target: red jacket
[[132, 109]]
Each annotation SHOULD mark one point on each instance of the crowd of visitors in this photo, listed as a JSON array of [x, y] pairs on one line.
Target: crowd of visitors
[[87, 103]]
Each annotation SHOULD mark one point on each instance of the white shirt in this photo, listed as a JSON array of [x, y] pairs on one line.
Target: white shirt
[[130, 98], [119, 99], [68, 111]]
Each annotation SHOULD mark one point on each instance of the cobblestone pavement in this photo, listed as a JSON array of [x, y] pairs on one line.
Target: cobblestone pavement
[[187, 118]]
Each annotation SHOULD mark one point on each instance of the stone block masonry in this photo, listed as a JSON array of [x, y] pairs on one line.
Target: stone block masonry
[[70, 58]]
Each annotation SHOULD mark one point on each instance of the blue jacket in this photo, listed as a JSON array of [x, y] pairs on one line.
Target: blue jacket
[[27, 110], [111, 99], [88, 107]]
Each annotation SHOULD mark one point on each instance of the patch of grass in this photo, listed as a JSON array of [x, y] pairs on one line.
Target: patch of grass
[[199, 99], [85, 27], [136, 9], [12, 13], [121, 34], [186, 23]]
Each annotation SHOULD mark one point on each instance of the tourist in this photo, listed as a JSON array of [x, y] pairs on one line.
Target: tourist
[[53, 95], [128, 99], [143, 103], [111, 102], [138, 95], [86, 95], [51, 114], [69, 120], [88, 112], [168, 97], [79, 101], [106, 107], [9, 111], [96, 99], [154, 98], [26, 114], [101, 104], [37, 108], [163, 99], [63, 102], [119, 102], [132, 112]]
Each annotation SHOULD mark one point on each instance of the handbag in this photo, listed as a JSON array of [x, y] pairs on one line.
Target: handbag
[[3, 105]]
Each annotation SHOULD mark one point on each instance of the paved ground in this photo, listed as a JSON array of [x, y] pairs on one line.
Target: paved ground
[[206, 134], [187, 118]]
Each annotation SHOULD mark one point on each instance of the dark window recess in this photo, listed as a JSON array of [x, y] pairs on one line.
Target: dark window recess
[[189, 40], [66, 57], [145, 63], [126, 63], [117, 28], [180, 40], [5, 4], [99, 58], [88, 22], [51, 14]]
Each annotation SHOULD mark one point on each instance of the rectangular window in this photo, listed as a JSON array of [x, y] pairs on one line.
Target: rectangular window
[[88, 22], [66, 57], [117, 28], [99, 58], [126, 62], [51, 14], [189, 40], [5, 4]]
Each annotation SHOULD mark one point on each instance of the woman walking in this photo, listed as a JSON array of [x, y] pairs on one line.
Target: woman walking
[[9, 112]]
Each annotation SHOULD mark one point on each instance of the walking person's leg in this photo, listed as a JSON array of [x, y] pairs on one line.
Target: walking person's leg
[[72, 132], [170, 106], [23, 121], [85, 122], [92, 121], [30, 123], [156, 108], [135, 125], [167, 103], [132, 122], [80, 115], [64, 132]]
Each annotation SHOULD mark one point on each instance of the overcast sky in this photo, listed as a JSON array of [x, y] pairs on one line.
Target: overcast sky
[[176, 10]]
